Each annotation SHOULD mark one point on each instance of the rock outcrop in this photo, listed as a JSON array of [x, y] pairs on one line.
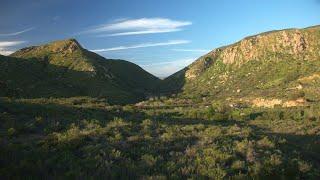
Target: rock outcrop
[[298, 43]]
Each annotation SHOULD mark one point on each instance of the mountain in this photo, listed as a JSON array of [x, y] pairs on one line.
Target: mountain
[[65, 69], [282, 64]]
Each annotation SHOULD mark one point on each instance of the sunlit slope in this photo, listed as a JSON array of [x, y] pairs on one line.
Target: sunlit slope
[[271, 64]]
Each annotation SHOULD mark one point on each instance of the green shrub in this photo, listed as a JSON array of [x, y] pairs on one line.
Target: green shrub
[[297, 94], [39, 120], [238, 165], [148, 160], [265, 143], [303, 166], [11, 132]]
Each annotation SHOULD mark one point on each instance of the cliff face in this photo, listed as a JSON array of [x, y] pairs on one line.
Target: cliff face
[[300, 44]]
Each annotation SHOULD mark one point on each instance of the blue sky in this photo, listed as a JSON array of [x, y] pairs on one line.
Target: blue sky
[[162, 36]]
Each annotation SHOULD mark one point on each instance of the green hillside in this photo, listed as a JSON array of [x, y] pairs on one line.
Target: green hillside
[[278, 64], [65, 69]]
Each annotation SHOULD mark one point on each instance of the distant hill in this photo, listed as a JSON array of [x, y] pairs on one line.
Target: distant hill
[[65, 69], [278, 64]]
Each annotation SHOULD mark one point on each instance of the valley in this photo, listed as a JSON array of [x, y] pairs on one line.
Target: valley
[[250, 110]]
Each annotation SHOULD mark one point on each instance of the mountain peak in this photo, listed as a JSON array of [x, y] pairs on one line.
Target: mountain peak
[[66, 46], [67, 53], [70, 41]]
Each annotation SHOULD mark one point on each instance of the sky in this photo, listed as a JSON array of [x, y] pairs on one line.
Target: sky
[[161, 36]]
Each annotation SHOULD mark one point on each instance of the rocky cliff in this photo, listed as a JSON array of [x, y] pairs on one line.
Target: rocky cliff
[[300, 44], [267, 65]]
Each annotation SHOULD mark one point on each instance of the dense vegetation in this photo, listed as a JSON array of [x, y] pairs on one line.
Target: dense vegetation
[[86, 138]]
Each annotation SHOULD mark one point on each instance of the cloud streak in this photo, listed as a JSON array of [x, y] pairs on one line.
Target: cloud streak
[[140, 32], [191, 50], [126, 27], [5, 52], [18, 33], [4, 45], [143, 45]]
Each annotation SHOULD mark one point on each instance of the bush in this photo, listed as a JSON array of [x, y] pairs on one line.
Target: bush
[[238, 165], [265, 143], [11, 132], [297, 95], [39, 120], [148, 160], [291, 76], [312, 96]]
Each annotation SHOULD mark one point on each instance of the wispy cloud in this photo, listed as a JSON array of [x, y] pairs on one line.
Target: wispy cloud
[[5, 52], [140, 32], [125, 27], [164, 69], [18, 32], [192, 50], [143, 45], [5, 46], [10, 43]]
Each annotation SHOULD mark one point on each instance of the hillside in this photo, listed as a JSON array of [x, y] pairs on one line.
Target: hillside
[[65, 69], [278, 64]]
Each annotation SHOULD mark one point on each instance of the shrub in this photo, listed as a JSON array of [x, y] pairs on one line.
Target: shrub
[[11, 132], [39, 120], [297, 95], [312, 96], [303, 166], [148, 160], [128, 108], [221, 107], [291, 76], [238, 165], [265, 143]]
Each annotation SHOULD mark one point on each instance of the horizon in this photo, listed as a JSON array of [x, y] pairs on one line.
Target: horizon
[[161, 43]]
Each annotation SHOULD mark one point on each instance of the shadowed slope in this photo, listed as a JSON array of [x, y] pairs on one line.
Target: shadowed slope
[[65, 69]]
